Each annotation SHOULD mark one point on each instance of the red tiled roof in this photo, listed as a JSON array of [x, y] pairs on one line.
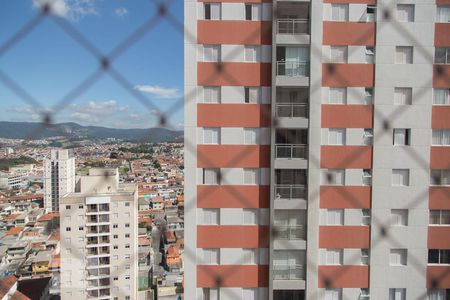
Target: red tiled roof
[[143, 241], [15, 230], [11, 217], [170, 236], [19, 296], [48, 217], [26, 197], [6, 284]]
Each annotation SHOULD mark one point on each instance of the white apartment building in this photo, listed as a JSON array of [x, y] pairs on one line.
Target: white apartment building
[[99, 250], [59, 177]]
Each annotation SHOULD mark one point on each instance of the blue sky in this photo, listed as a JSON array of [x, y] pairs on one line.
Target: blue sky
[[48, 63]]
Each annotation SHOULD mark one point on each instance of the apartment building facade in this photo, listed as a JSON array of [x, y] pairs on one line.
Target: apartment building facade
[[59, 177], [99, 234], [317, 160]]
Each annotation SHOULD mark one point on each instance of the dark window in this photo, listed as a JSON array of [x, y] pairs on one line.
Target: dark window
[[248, 12], [207, 11], [247, 95]]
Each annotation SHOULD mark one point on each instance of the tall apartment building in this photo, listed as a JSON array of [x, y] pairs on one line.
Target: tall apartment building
[[59, 177], [99, 250], [317, 160]]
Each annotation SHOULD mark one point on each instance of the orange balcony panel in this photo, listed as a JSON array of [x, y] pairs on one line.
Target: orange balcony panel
[[348, 75], [346, 157], [440, 158], [246, 276], [348, 33], [345, 197], [441, 36], [439, 197], [441, 76], [234, 74], [234, 32], [233, 196], [232, 236], [438, 237], [440, 117], [442, 2], [344, 237], [233, 156], [344, 276], [347, 116], [233, 115], [438, 277]]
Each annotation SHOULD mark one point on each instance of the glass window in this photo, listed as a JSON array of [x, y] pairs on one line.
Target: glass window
[[402, 96], [441, 137], [251, 136], [400, 177], [252, 95], [252, 53], [211, 216], [336, 136], [335, 217], [211, 53], [398, 257], [397, 294], [253, 11], [399, 217], [211, 176], [401, 137], [440, 177], [337, 96], [250, 256], [438, 294], [333, 294], [403, 55], [211, 94], [250, 216], [211, 136], [212, 11], [335, 177], [370, 55], [365, 256], [405, 12], [442, 56], [211, 256], [443, 14], [441, 96], [338, 54], [333, 256], [250, 294], [251, 176], [339, 12]]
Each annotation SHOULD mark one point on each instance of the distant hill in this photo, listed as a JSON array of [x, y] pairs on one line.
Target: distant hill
[[27, 130]]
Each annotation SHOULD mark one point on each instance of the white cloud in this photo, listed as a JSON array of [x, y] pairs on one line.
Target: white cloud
[[107, 107], [30, 112], [73, 9], [158, 91], [121, 11], [85, 117]]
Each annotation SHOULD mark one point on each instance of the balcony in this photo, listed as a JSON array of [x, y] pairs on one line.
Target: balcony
[[292, 25], [292, 68], [291, 150], [290, 190], [289, 272], [292, 108], [290, 232]]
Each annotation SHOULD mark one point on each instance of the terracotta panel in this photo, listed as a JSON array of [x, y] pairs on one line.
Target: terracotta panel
[[440, 117], [232, 236], [440, 158], [233, 196], [347, 116], [234, 74], [344, 237], [233, 115], [442, 2], [234, 32], [441, 76], [441, 36], [245, 276], [346, 157], [348, 33], [233, 156], [439, 197], [345, 196], [439, 237], [438, 277], [343, 276], [348, 75]]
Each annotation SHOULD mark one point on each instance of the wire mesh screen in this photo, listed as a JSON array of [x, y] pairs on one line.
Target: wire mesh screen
[[105, 65]]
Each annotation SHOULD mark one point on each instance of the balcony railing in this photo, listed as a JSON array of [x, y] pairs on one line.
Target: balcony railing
[[290, 191], [292, 110], [289, 272], [292, 68], [291, 151], [293, 26], [290, 232]]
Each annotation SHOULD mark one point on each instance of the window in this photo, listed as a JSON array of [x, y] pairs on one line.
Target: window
[[67, 206], [211, 216], [115, 226], [364, 294], [127, 256], [127, 246], [211, 94], [333, 294], [439, 256], [370, 55], [367, 177], [441, 137], [402, 96], [127, 203], [439, 217], [403, 55], [252, 95], [438, 294], [405, 12], [441, 97], [333, 256], [210, 294], [251, 54], [212, 11], [250, 294], [251, 136], [127, 225], [339, 12], [335, 177], [443, 14], [335, 217], [401, 137], [400, 177], [397, 294], [365, 216], [115, 247], [364, 256], [251, 176], [336, 136], [368, 96], [252, 12], [211, 256], [81, 206], [68, 229], [368, 136], [398, 257], [399, 217], [211, 136], [337, 96], [440, 177], [211, 176], [80, 228], [442, 56], [338, 54], [249, 256], [250, 216], [115, 236], [211, 53], [127, 235]]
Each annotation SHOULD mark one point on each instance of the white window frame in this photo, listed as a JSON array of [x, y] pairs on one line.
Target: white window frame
[[334, 256], [339, 12], [211, 53], [337, 177], [211, 135], [365, 257], [250, 216], [405, 12], [211, 176], [252, 95], [397, 294], [211, 94], [251, 176], [211, 216], [215, 10], [444, 176], [334, 217], [255, 11], [398, 257], [402, 96], [401, 137], [252, 53], [443, 14], [399, 217], [400, 177], [251, 136], [404, 55], [333, 294], [211, 256], [337, 95], [250, 256], [441, 93], [440, 137], [337, 136], [250, 294], [445, 53], [438, 215], [338, 54]]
